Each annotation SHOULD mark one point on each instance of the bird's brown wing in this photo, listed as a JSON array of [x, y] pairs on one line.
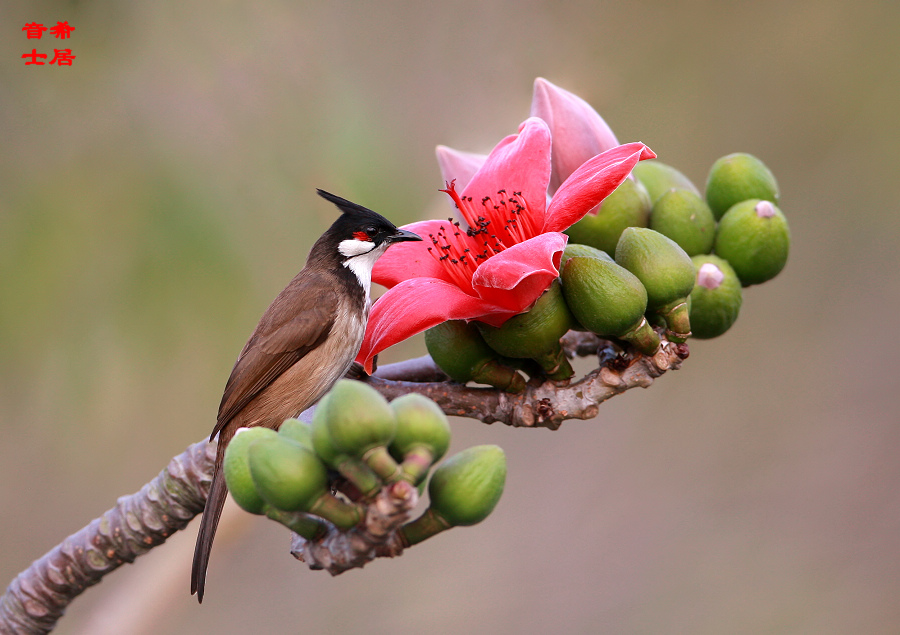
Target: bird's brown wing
[[280, 340]]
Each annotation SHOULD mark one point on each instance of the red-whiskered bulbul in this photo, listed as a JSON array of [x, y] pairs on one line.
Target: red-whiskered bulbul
[[305, 341]]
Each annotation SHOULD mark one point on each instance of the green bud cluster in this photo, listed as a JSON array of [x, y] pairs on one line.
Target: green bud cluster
[[737, 219], [359, 439], [494, 356], [459, 349], [752, 234], [632, 265], [277, 476], [351, 429]]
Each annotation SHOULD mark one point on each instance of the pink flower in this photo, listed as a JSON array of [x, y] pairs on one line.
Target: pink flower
[[498, 265], [577, 130]]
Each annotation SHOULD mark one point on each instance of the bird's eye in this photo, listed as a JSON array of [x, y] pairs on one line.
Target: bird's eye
[[371, 231]]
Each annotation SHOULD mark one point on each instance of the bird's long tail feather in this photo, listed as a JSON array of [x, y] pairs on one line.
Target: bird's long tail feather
[[215, 501]]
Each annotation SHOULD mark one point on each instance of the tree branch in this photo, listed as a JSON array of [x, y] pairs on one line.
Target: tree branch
[[544, 403], [375, 537], [38, 596]]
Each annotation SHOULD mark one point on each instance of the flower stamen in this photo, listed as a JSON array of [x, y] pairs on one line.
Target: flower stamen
[[511, 225], [463, 204], [448, 248]]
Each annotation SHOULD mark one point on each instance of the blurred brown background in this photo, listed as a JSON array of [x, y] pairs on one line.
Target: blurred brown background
[[157, 194]]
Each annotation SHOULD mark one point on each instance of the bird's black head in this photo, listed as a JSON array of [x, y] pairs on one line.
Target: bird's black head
[[355, 240], [360, 231]]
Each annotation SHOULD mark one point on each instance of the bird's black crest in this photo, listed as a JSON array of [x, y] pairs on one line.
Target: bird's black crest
[[347, 207]]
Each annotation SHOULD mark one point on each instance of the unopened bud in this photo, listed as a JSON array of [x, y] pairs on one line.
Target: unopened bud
[[465, 489], [423, 434], [458, 348], [738, 177], [287, 475], [716, 298], [753, 236], [608, 300], [666, 272], [237, 469]]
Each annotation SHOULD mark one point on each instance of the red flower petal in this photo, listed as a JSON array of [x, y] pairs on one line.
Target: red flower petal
[[507, 269], [519, 163], [416, 305], [591, 183], [517, 276]]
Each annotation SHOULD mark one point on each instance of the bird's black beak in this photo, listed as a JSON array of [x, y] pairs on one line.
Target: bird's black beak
[[403, 235]]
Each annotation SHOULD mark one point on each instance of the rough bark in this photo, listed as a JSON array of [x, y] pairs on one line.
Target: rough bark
[[38, 596]]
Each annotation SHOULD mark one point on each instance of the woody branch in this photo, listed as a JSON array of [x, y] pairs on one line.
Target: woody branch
[[38, 596]]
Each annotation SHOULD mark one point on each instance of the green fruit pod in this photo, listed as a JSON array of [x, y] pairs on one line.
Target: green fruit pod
[[609, 300], [359, 418], [666, 272], [420, 423], [423, 435], [352, 468], [738, 177], [298, 431], [535, 334], [716, 297], [321, 438], [577, 250], [628, 206], [236, 467], [457, 347], [754, 238], [465, 489], [659, 178], [685, 218], [286, 475]]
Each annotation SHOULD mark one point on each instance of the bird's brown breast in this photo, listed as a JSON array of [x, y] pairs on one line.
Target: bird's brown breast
[[304, 383]]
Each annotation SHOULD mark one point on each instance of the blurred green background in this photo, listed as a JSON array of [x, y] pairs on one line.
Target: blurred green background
[[156, 195]]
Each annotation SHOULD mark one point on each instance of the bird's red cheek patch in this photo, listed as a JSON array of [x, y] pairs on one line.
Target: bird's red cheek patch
[[360, 236]]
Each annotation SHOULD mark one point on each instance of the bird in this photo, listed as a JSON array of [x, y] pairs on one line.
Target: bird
[[304, 343]]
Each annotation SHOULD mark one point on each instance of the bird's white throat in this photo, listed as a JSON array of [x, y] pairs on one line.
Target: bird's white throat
[[361, 256]]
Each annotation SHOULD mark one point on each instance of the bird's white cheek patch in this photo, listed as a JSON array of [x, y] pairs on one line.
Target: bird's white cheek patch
[[361, 265], [352, 247]]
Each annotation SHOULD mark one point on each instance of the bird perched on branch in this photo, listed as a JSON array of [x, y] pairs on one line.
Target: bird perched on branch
[[305, 341]]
